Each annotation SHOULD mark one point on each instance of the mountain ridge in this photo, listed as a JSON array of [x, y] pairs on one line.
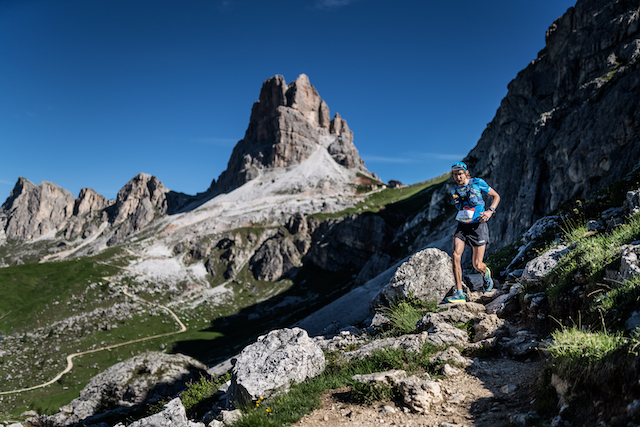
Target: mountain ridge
[[289, 131]]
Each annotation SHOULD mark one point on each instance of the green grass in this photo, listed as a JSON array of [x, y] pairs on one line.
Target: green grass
[[592, 358], [405, 313], [592, 254], [26, 289], [389, 196]]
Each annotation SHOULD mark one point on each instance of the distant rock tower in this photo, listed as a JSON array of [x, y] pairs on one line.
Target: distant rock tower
[[287, 125]]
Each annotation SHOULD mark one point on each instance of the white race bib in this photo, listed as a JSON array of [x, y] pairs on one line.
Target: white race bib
[[465, 214]]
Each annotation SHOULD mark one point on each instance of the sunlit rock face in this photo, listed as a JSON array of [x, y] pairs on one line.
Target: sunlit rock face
[[570, 123], [32, 211], [288, 124]]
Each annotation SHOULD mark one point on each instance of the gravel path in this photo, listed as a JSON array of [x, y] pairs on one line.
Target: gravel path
[[491, 394]]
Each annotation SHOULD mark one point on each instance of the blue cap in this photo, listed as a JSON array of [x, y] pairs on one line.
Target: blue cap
[[459, 166]]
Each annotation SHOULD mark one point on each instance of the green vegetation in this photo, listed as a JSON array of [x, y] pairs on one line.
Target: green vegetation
[[26, 289], [591, 255], [596, 354], [385, 198], [197, 398], [592, 358], [405, 313]]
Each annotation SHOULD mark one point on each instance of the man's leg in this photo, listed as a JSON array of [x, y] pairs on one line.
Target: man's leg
[[458, 249], [481, 267], [478, 259]]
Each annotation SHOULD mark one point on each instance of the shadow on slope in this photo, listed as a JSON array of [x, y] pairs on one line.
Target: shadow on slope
[[312, 289], [181, 203]]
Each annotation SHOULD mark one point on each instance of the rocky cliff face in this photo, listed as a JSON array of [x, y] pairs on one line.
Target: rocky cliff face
[[570, 123], [34, 210], [288, 124], [137, 204]]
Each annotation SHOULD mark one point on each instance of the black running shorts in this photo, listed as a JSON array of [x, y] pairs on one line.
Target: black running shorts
[[474, 234]]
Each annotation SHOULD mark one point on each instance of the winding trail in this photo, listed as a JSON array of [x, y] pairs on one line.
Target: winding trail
[[70, 357]]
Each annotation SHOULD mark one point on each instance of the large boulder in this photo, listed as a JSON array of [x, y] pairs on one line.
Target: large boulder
[[426, 275], [273, 363], [147, 377]]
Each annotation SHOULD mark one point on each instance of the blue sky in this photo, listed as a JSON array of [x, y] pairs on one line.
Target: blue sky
[[93, 92]]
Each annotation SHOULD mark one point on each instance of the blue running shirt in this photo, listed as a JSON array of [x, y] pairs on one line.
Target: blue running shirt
[[469, 201]]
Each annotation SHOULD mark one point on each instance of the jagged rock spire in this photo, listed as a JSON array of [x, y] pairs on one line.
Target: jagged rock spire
[[287, 124]]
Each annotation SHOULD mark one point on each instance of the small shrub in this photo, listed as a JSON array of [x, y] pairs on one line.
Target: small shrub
[[405, 313], [197, 392], [403, 317], [370, 393]]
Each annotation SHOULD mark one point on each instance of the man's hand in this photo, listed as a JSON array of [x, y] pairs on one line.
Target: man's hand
[[484, 216]]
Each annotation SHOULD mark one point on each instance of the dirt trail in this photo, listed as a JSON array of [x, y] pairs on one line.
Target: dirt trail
[[486, 395]]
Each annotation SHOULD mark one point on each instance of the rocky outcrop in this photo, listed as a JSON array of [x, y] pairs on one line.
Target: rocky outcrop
[[349, 242], [144, 378], [137, 204], [273, 363], [288, 123], [88, 205], [140, 195], [32, 210], [570, 122], [277, 258]]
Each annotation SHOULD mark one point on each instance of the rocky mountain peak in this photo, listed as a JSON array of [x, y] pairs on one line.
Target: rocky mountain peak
[[136, 205], [303, 97], [141, 189], [89, 202], [32, 211], [288, 124]]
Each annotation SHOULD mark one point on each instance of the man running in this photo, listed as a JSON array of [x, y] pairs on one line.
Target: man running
[[472, 228]]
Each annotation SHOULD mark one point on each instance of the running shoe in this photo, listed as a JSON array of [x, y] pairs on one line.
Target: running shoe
[[487, 280], [456, 298]]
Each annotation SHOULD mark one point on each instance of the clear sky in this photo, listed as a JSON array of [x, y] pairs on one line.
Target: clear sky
[[93, 92]]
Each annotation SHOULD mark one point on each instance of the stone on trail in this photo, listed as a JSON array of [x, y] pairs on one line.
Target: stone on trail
[[420, 394]]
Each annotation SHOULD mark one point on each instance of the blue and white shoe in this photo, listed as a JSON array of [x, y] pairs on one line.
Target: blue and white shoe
[[487, 280], [457, 297]]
